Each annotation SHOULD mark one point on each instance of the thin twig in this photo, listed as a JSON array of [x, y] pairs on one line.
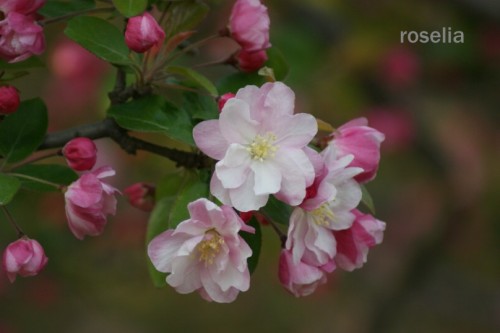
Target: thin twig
[[20, 232]]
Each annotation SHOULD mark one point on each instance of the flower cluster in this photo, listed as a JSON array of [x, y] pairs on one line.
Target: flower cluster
[[20, 35], [262, 150]]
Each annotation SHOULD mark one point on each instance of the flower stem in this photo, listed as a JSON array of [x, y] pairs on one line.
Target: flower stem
[[278, 231], [38, 180], [37, 158], [20, 232]]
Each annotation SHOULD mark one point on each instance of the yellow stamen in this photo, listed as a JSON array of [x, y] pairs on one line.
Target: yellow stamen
[[323, 215], [263, 147], [210, 246]]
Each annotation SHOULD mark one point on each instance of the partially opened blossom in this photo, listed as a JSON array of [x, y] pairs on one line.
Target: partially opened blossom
[[20, 38], [24, 257], [141, 195], [88, 201], [250, 61], [353, 243], [259, 143], [205, 253], [362, 141], [25, 7], [249, 25], [143, 32], [299, 278], [9, 100], [80, 153]]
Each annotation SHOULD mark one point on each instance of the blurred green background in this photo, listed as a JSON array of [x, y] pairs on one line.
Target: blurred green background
[[438, 269]]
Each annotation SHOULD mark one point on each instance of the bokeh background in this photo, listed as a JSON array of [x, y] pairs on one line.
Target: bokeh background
[[438, 269]]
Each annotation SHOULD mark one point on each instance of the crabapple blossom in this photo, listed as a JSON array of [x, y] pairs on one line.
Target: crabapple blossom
[[25, 7], [20, 38], [250, 61], [88, 201], [24, 257], [80, 153], [362, 141], [259, 143], [205, 253], [9, 100], [299, 278], [328, 207], [141, 195], [249, 25], [143, 32], [353, 243]]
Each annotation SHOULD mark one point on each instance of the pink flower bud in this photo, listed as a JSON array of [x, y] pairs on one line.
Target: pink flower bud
[[24, 257], [143, 32], [356, 138], [249, 25], [141, 195], [20, 38], [21, 6], [251, 61], [80, 154], [9, 100], [223, 99]]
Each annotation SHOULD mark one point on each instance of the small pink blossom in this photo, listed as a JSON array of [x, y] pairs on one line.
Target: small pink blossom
[[223, 99], [24, 257], [205, 253], [88, 201], [251, 61], [353, 243], [80, 153], [24, 7], [259, 143], [249, 25], [20, 38], [143, 32], [9, 100], [362, 141], [299, 278], [141, 195]]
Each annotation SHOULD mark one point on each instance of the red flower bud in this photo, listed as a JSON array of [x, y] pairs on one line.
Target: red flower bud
[[9, 100], [80, 154], [24, 257], [143, 32], [141, 195], [251, 61], [223, 99]]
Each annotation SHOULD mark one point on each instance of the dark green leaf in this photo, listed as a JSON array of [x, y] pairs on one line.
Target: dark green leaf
[[130, 7], [23, 131], [188, 14], [255, 242], [60, 8], [99, 37], [13, 76], [55, 173], [154, 114], [367, 200], [278, 63], [8, 188], [236, 81], [277, 211], [33, 62], [193, 77], [200, 106]]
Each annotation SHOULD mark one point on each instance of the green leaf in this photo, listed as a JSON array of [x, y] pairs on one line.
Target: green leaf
[[60, 8], [99, 37], [55, 173], [174, 193], [154, 114], [8, 188], [33, 62], [200, 106], [255, 242], [195, 78], [277, 62], [277, 211], [367, 200], [232, 83], [188, 14], [23, 131], [130, 7]]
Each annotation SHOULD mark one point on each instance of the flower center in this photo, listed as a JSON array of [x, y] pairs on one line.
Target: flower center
[[322, 215], [210, 246], [262, 147]]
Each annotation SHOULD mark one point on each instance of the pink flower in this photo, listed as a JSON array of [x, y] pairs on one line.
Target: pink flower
[[299, 278], [223, 99], [353, 243], [80, 154], [24, 257], [143, 32], [205, 253], [251, 61], [259, 142], [88, 201], [20, 38], [249, 25], [9, 100], [25, 7], [328, 208], [356, 138], [141, 195]]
